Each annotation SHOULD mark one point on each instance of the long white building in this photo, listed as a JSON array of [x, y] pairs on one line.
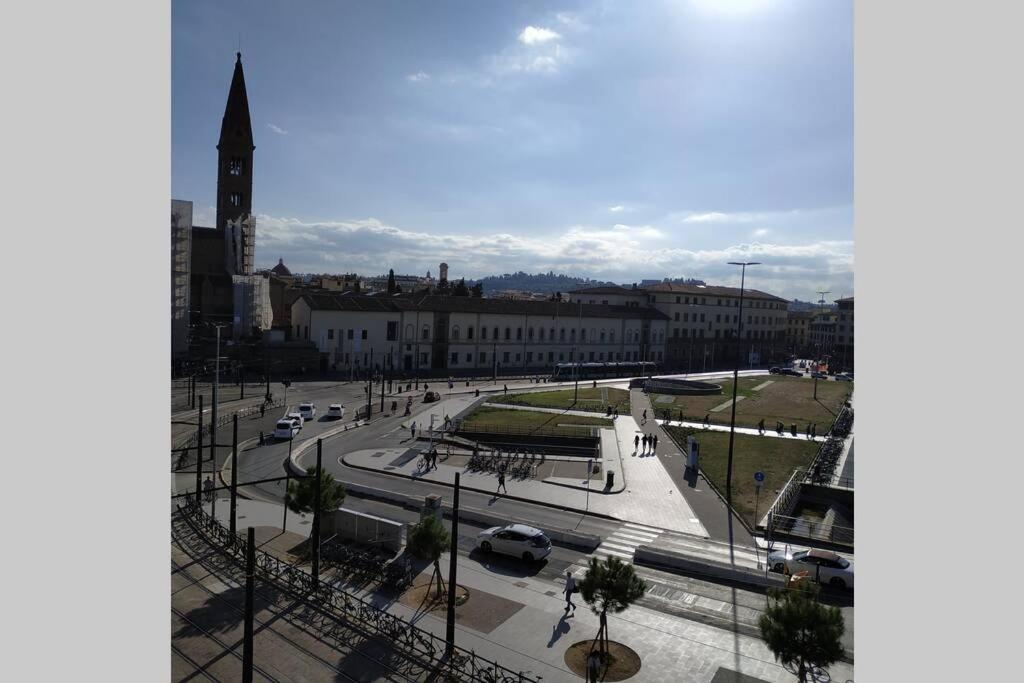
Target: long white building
[[462, 334]]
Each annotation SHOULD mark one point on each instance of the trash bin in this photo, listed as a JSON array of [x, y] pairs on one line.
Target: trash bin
[[609, 479]]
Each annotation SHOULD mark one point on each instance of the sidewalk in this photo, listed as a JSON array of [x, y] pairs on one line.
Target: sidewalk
[[518, 619]]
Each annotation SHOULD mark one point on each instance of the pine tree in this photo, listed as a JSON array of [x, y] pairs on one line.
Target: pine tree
[[612, 585], [801, 631], [428, 540]]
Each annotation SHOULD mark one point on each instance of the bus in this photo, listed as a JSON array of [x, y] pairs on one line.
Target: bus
[[567, 372]]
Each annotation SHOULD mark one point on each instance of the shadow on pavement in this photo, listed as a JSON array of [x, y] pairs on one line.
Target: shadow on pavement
[[506, 565]]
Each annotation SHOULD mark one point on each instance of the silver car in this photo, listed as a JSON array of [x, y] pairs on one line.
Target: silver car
[[823, 566], [517, 540]]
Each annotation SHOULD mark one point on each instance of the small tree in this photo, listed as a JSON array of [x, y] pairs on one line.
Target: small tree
[[301, 495], [428, 540], [612, 586], [801, 631]]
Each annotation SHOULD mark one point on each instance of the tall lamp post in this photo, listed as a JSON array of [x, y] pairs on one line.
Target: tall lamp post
[[735, 381]]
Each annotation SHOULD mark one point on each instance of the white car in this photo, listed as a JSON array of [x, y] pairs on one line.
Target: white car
[[517, 540], [285, 429], [307, 410], [297, 418], [823, 566], [336, 411]]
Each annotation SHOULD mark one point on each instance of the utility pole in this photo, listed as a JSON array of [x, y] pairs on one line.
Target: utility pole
[[250, 591], [234, 473], [315, 538], [199, 455], [383, 369], [452, 565], [735, 386], [369, 388], [213, 408]]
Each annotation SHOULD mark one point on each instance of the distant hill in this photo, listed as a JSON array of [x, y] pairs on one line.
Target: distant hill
[[547, 283], [797, 305]]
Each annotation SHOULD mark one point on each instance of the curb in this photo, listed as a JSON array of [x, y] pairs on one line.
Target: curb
[[601, 492], [484, 491], [703, 568]]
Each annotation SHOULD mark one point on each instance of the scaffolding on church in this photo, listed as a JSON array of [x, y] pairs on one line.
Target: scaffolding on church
[[181, 256]]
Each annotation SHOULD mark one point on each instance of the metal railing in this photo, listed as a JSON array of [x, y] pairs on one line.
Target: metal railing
[[515, 430], [182, 455], [415, 643], [807, 528]]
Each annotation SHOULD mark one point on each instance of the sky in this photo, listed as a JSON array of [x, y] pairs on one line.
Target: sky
[[619, 141]]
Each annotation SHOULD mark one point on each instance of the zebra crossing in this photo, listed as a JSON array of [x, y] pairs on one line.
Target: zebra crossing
[[622, 544]]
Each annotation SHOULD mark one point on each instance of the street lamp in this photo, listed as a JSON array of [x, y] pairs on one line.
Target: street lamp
[[735, 381]]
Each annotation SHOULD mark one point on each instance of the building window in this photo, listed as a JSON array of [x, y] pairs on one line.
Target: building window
[[508, 333], [529, 356], [235, 199], [504, 357], [364, 334], [551, 356], [583, 335], [483, 333], [659, 356], [611, 336], [483, 356], [423, 359], [572, 335], [469, 332], [350, 333], [676, 316], [716, 334], [677, 299], [455, 358], [675, 332], [469, 358], [330, 334], [561, 356], [686, 317], [519, 357], [561, 334], [392, 330], [495, 334], [426, 332], [687, 300], [551, 334], [702, 317], [307, 331], [540, 333], [529, 334], [236, 166], [600, 356], [591, 356], [519, 334], [455, 332], [718, 318], [408, 331]]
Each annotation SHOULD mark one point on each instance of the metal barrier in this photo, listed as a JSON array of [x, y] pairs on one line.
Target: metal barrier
[[805, 528], [417, 643], [181, 455]]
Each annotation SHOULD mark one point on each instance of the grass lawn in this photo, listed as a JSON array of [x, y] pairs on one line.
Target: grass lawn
[[485, 416], [775, 457], [789, 399], [596, 400]]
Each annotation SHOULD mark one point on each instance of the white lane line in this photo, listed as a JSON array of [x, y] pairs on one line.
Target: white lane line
[[599, 552], [619, 546], [634, 536], [641, 527]]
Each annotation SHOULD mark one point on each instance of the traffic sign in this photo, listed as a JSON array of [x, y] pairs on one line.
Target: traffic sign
[[759, 476]]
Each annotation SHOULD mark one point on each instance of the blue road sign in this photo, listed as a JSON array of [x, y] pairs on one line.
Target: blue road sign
[[758, 476]]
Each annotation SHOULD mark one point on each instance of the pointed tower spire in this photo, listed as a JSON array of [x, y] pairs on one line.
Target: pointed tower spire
[[234, 177]]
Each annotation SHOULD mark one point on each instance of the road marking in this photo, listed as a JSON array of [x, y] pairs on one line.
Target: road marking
[[762, 385], [718, 409]]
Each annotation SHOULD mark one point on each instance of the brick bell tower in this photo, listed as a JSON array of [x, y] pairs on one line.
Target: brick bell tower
[[234, 178]]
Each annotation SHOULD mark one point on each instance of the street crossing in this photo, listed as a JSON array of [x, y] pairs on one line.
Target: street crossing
[[622, 544]]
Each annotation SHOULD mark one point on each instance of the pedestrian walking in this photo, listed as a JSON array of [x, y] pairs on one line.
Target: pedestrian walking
[[636, 443], [760, 427], [412, 428], [655, 442], [208, 489], [263, 409], [645, 417], [807, 431], [707, 420], [506, 388], [616, 412], [501, 482], [644, 440], [814, 430], [570, 588]]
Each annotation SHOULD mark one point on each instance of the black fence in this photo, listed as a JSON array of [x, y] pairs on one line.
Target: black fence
[[411, 641]]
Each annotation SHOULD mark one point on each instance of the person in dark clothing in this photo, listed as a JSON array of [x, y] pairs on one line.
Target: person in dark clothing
[[814, 430], [707, 420], [645, 417], [655, 442], [501, 482], [636, 443], [760, 426], [616, 412], [644, 441], [506, 388]]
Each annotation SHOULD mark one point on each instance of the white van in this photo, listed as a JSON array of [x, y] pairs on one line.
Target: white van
[[307, 410], [336, 411], [285, 429]]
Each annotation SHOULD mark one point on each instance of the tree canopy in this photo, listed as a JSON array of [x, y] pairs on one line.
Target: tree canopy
[[800, 631], [301, 495]]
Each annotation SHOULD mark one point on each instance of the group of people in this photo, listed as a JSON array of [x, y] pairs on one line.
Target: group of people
[[612, 412], [430, 459], [649, 441]]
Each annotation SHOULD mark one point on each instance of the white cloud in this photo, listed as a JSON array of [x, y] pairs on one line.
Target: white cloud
[[277, 129], [418, 77], [534, 35], [760, 232], [618, 208], [622, 253]]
